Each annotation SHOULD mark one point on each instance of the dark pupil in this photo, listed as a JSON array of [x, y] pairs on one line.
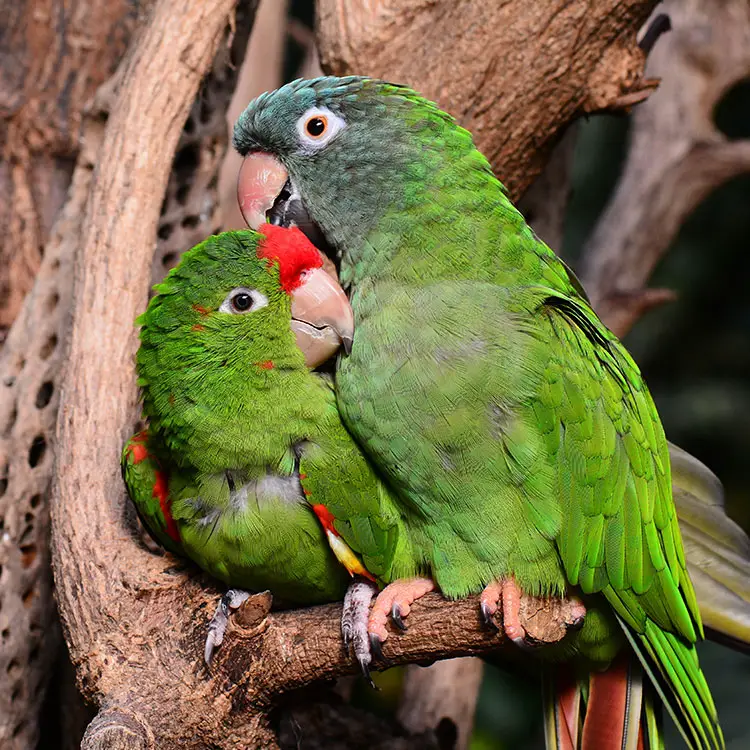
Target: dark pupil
[[315, 126], [242, 302]]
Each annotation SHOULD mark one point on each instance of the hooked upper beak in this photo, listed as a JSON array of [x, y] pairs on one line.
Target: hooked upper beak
[[261, 180], [322, 319]]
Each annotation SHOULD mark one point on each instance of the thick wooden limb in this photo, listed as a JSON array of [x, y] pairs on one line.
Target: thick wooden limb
[[120, 225], [42, 112], [512, 73], [677, 154]]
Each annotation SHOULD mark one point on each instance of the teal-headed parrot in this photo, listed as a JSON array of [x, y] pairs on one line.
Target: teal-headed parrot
[[522, 446]]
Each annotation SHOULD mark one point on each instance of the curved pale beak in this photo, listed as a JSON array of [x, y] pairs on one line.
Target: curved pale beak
[[260, 181], [322, 319]]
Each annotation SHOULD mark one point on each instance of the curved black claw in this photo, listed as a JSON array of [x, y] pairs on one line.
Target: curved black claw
[[576, 624], [488, 616], [376, 647], [658, 26], [397, 618], [232, 599]]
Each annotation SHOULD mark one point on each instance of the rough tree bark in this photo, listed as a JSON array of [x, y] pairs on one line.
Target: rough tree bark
[[442, 698], [53, 56], [540, 64], [677, 155], [48, 72]]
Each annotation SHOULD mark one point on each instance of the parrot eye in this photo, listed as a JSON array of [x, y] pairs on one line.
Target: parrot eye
[[242, 300], [317, 127]]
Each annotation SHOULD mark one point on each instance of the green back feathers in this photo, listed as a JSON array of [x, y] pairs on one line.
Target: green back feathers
[[412, 209]]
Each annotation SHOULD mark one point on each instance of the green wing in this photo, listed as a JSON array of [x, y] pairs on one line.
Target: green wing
[[334, 473], [147, 486], [620, 536], [716, 548]]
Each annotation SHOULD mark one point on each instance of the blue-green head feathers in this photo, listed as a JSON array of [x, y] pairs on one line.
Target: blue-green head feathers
[[382, 147]]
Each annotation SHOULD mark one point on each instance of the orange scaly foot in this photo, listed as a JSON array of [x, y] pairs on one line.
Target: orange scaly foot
[[394, 600], [505, 596]]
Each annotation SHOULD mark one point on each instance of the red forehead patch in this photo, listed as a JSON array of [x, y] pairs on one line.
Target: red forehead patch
[[291, 250]]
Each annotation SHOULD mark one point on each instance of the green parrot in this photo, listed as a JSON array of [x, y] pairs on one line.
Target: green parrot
[[149, 468], [522, 445], [245, 461], [720, 550]]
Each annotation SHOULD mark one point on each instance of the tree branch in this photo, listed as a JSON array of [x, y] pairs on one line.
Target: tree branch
[[442, 698], [540, 64], [677, 155], [43, 120]]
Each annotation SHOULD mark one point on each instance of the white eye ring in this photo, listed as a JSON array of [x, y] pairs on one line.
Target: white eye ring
[[317, 127], [243, 300]]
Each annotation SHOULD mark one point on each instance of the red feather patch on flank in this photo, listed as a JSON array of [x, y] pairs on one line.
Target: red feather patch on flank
[[325, 517], [137, 450], [161, 493], [267, 365], [294, 253]]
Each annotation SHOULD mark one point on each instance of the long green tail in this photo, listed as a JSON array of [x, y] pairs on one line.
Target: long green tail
[[672, 666]]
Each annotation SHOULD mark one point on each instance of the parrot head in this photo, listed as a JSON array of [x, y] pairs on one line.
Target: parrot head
[[246, 298], [231, 331], [333, 155]]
